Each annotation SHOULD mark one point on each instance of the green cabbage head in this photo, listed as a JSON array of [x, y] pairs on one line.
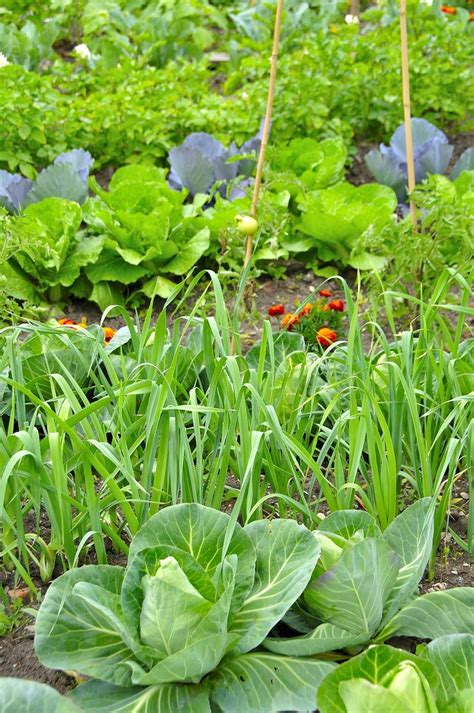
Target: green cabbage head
[[172, 631]]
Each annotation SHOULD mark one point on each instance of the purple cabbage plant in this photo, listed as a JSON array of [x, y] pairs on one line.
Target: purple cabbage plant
[[65, 178], [432, 154], [202, 162]]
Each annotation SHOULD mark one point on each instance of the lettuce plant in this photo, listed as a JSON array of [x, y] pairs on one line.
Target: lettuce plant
[[146, 229], [363, 587], [65, 178], [318, 164], [202, 162], [176, 628], [432, 154], [334, 219], [49, 251], [440, 680]]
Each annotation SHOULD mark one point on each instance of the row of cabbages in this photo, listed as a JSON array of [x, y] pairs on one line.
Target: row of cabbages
[[209, 616]]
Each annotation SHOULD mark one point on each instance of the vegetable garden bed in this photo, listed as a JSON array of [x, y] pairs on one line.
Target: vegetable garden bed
[[236, 357]]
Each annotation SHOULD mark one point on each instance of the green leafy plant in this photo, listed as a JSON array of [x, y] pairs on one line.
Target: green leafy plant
[[384, 678], [317, 164], [29, 46], [49, 250], [444, 236], [20, 696], [363, 586], [175, 627], [334, 220], [144, 231]]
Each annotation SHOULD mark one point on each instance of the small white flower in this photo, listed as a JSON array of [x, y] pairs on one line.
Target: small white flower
[[352, 19], [3, 60], [83, 51], [427, 2]]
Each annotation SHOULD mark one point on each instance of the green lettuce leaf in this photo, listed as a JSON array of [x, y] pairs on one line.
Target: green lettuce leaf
[[80, 626], [349, 599], [55, 251], [286, 556], [336, 217]]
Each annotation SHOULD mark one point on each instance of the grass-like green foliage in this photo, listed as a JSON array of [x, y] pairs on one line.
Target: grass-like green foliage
[[178, 626], [162, 416]]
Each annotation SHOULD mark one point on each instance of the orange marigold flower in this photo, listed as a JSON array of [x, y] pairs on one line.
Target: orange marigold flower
[[108, 333], [325, 293], [326, 336], [307, 309], [448, 10], [336, 305], [276, 310], [66, 322], [289, 321]]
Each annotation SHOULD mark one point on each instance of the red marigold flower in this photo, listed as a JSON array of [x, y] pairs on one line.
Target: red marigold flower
[[108, 333], [307, 309], [326, 336], [276, 310], [325, 293], [336, 305], [66, 322], [289, 321]]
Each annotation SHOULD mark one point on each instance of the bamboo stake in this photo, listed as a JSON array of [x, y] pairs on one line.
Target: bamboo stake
[[266, 126], [355, 8], [406, 107]]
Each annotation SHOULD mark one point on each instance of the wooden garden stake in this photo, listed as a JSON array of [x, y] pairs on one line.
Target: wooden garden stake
[[355, 8], [263, 146], [266, 127], [406, 108]]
